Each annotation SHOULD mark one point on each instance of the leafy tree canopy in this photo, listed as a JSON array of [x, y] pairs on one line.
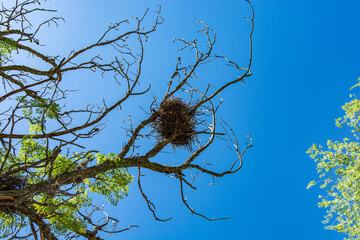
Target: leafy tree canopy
[[339, 171]]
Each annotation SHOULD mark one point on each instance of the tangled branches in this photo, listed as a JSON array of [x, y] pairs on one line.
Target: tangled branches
[[46, 174]]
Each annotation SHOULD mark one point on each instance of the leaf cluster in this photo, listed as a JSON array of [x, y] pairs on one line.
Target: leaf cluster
[[6, 46], [339, 172]]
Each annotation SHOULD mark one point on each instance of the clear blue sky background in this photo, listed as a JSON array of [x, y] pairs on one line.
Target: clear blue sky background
[[306, 57]]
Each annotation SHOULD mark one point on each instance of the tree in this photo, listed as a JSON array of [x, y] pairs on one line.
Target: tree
[[46, 175], [339, 172]]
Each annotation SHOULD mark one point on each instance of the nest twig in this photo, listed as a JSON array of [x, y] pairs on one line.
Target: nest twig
[[176, 122], [6, 184]]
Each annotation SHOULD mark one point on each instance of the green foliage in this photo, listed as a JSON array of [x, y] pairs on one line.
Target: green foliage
[[6, 46], [112, 184], [61, 210], [339, 171], [37, 111], [9, 223]]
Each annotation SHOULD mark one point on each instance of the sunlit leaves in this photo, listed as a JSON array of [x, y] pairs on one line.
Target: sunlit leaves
[[37, 111], [112, 184], [6, 46], [339, 171], [10, 223], [62, 211], [61, 205]]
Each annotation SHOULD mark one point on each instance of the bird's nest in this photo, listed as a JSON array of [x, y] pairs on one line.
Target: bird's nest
[[176, 122], [9, 183]]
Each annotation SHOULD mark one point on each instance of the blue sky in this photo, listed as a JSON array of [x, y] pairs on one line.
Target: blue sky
[[305, 60]]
